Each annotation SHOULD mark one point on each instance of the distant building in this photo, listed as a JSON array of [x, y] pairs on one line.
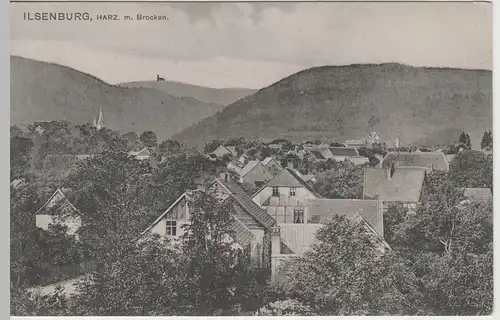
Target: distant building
[[39, 130], [221, 151], [478, 193], [272, 165], [58, 210], [235, 166], [338, 154], [399, 185], [255, 173], [372, 138], [17, 183], [354, 143], [143, 154], [429, 160]]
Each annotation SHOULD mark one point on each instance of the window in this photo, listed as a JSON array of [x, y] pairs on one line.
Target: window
[[171, 227], [298, 216], [292, 192], [276, 192]]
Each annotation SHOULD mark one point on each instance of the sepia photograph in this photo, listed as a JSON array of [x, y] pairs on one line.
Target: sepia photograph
[[251, 158]]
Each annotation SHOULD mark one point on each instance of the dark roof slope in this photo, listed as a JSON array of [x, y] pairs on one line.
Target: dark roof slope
[[370, 210], [405, 184], [339, 151], [433, 160], [246, 203]]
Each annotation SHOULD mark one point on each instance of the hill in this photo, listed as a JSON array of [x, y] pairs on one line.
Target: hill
[[43, 91], [420, 105], [223, 96]]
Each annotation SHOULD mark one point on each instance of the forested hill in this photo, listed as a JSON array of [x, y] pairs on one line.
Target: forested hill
[[43, 91], [420, 105]]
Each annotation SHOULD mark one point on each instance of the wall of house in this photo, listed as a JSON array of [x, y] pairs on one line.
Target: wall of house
[[281, 208], [359, 160], [43, 221]]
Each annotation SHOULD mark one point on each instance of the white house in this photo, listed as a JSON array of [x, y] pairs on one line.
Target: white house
[[58, 210], [251, 224], [143, 154]]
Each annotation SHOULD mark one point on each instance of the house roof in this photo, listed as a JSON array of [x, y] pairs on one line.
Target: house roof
[[299, 245], [17, 182], [243, 235], [370, 210], [478, 193], [287, 178], [405, 184], [54, 199], [347, 152], [248, 167], [144, 151], [231, 149], [434, 160], [247, 203], [317, 154], [267, 160]]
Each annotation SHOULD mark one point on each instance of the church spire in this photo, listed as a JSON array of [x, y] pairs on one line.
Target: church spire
[[100, 121]]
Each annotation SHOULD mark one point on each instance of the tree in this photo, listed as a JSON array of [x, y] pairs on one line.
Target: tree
[[343, 181], [149, 139], [344, 274], [465, 139], [472, 169], [487, 140], [215, 265], [169, 147]]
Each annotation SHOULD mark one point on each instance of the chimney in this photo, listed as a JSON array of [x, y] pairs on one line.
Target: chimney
[[275, 241], [157, 77], [390, 171]]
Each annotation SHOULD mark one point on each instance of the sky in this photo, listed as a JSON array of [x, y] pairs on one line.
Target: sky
[[252, 45]]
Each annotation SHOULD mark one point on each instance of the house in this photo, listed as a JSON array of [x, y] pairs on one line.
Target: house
[[143, 154], [285, 197], [372, 138], [402, 185], [235, 166], [307, 178], [17, 183], [450, 157], [39, 130], [293, 240], [342, 154], [255, 173], [275, 146], [251, 224], [272, 165], [354, 143], [221, 151], [59, 210], [479, 194], [81, 157], [316, 155], [429, 160]]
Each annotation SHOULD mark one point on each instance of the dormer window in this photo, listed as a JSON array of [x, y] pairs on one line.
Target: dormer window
[[276, 192]]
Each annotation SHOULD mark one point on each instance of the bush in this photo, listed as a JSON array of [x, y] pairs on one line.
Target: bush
[[289, 307]]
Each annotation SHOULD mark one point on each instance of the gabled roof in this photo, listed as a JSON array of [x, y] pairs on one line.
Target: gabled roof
[[287, 178], [370, 210], [405, 185], [267, 160], [248, 167], [232, 149], [344, 152], [317, 154], [144, 151], [17, 183], [434, 160], [246, 202], [478, 193], [299, 245], [54, 199], [243, 235]]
